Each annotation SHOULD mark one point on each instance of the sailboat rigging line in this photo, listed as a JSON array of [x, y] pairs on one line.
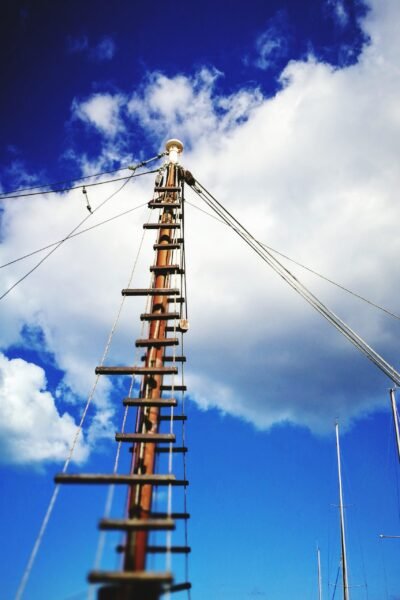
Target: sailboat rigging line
[[338, 285], [300, 288], [16, 192], [184, 464], [14, 285], [336, 582], [70, 237], [77, 187], [63, 182], [111, 488], [184, 254], [43, 527]]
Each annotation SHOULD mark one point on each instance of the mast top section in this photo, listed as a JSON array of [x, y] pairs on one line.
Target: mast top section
[[174, 148]]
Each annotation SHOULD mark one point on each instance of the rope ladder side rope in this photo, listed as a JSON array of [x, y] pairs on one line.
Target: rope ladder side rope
[[35, 549]]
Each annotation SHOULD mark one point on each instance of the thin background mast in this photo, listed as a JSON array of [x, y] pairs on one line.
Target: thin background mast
[[346, 595]]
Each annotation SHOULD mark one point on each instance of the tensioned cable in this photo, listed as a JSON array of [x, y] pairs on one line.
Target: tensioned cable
[[53, 499], [183, 294], [54, 183], [70, 237], [16, 193], [111, 489], [338, 285], [300, 288], [76, 187], [336, 582], [71, 232]]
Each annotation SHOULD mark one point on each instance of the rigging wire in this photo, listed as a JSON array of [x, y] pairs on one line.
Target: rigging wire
[[70, 237], [336, 582], [50, 508], [37, 265], [183, 294], [76, 187], [54, 183], [300, 288], [111, 489], [299, 264], [10, 193]]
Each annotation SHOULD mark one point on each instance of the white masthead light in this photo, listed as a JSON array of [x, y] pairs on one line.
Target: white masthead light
[[174, 149]]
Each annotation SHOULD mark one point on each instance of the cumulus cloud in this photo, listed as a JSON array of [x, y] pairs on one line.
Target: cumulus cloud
[[100, 111], [311, 171], [189, 106], [31, 428]]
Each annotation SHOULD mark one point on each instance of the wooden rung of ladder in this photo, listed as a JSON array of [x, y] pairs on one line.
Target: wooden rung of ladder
[[159, 549], [176, 329], [147, 438], [163, 204], [159, 402], [177, 587], [152, 524], [164, 515], [136, 370], [165, 549], [142, 577], [167, 189], [177, 300], [161, 226], [176, 388], [150, 292], [164, 269], [159, 316], [157, 342], [112, 478], [175, 449], [173, 418], [169, 246], [169, 359]]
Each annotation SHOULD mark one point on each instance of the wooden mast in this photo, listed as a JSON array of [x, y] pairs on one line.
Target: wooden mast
[[140, 497], [134, 581]]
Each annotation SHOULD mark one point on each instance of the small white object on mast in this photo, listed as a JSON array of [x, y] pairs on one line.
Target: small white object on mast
[[174, 148]]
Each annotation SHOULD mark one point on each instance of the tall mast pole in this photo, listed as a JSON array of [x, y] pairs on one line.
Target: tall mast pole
[[346, 595], [395, 420], [319, 574], [134, 580], [140, 496]]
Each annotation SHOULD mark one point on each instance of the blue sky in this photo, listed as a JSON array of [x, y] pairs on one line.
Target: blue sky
[[289, 115]]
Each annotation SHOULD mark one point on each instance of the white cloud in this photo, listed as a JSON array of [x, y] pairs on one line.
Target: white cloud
[[312, 171], [31, 429], [100, 111], [189, 107], [272, 44]]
